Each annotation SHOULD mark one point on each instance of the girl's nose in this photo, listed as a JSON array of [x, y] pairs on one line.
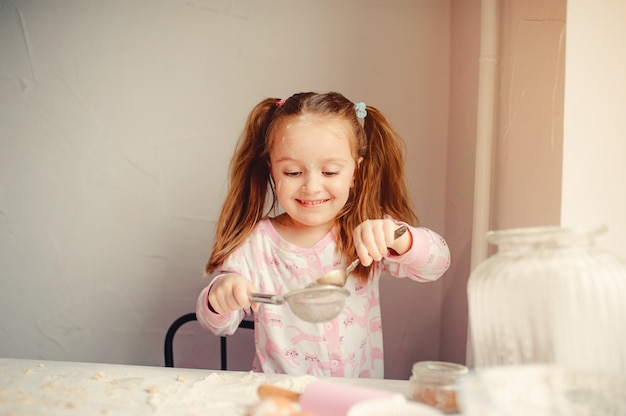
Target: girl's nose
[[312, 184]]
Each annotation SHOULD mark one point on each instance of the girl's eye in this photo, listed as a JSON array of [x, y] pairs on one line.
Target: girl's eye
[[330, 173], [292, 174]]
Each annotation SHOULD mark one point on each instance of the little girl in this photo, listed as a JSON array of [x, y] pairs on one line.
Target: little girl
[[335, 170]]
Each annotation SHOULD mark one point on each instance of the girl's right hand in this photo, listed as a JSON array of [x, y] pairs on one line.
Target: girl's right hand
[[373, 238], [230, 292]]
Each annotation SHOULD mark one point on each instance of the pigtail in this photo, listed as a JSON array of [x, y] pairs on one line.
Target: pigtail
[[386, 156], [248, 186], [379, 181]]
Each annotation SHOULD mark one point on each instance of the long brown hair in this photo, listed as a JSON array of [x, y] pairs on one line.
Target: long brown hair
[[379, 185]]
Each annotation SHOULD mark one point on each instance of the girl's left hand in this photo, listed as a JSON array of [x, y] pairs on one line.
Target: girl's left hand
[[373, 238]]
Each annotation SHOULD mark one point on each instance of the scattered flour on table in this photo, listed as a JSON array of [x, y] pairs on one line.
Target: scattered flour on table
[[58, 390], [219, 393], [98, 376]]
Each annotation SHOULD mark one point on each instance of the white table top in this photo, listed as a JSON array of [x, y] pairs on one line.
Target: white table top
[[43, 387]]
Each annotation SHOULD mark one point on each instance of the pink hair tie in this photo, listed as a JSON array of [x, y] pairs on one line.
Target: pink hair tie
[[280, 103]]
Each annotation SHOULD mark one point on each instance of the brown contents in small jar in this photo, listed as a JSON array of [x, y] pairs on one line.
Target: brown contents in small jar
[[443, 399]]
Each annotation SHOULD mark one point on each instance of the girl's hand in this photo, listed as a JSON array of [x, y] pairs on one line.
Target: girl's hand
[[373, 238], [229, 293]]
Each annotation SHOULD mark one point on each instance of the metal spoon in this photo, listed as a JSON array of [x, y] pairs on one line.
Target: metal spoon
[[339, 277]]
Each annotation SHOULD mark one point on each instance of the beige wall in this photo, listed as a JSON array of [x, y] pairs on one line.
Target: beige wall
[[464, 54], [529, 140]]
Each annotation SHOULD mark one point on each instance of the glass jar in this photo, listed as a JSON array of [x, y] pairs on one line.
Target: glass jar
[[436, 383], [549, 295]]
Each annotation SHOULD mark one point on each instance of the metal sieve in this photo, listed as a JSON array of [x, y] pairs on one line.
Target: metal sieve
[[312, 304]]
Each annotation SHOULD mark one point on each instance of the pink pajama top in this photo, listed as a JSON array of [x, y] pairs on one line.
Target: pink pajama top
[[350, 345]]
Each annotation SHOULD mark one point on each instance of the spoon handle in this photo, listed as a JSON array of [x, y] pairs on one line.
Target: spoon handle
[[399, 232], [352, 266]]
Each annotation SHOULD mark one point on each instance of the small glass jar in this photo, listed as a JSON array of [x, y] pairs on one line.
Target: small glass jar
[[435, 383]]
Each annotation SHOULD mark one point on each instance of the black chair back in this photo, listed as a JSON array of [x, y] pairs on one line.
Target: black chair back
[[169, 339]]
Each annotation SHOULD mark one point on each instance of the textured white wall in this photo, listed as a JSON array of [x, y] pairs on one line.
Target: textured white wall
[[117, 122]]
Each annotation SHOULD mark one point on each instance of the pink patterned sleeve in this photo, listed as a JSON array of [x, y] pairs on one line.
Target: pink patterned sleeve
[[216, 324], [427, 259]]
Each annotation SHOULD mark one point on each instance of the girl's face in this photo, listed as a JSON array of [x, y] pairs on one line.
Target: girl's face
[[313, 168]]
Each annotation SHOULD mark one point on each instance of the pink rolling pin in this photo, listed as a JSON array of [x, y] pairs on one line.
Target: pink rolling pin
[[327, 398]]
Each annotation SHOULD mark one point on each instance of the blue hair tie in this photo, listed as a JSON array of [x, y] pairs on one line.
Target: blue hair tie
[[361, 112]]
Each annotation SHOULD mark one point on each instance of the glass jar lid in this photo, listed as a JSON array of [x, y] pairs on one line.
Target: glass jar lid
[[438, 372], [545, 234]]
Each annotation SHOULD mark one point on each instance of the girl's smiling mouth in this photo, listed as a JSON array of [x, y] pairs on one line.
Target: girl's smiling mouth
[[315, 202]]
